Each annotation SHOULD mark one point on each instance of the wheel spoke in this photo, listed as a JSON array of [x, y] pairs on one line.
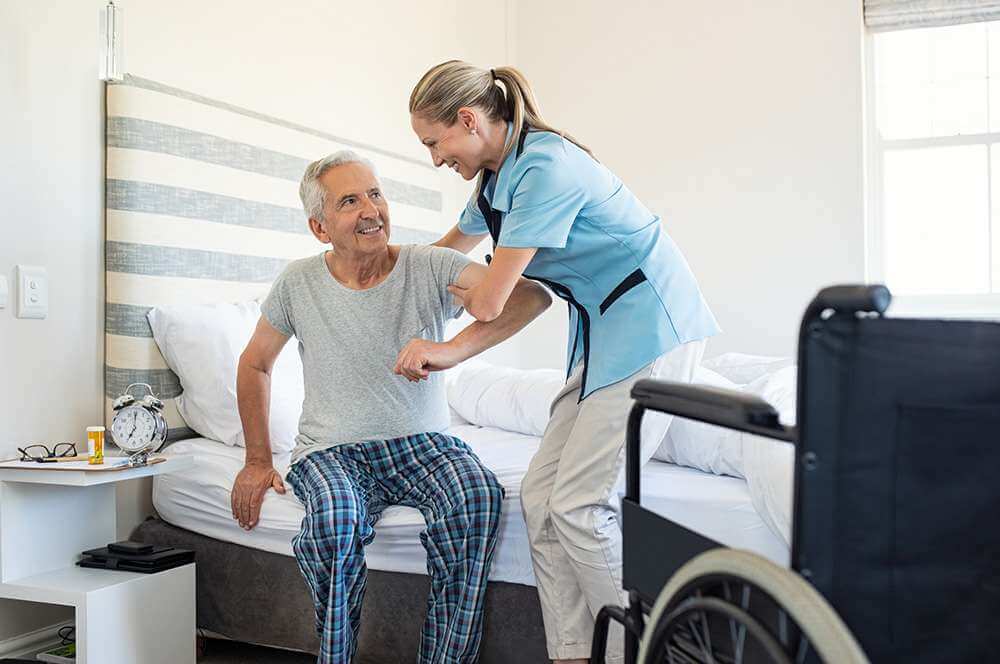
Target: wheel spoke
[[803, 650], [745, 605], [745, 598], [694, 632], [732, 623], [699, 641], [670, 654], [705, 631], [683, 652], [708, 637]]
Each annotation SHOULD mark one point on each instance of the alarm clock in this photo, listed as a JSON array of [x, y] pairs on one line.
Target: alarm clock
[[138, 426]]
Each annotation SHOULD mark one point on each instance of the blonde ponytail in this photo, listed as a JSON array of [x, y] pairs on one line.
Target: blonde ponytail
[[449, 86], [523, 108]]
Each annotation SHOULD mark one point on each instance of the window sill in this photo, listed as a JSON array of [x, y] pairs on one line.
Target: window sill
[[975, 307]]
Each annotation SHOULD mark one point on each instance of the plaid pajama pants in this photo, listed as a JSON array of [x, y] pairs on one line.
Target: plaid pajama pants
[[344, 490]]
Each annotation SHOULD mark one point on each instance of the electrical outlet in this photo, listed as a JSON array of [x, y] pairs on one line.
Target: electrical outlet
[[32, 292]]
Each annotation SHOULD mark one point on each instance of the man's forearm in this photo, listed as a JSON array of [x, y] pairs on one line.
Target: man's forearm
[[526, 303], [253, 396]]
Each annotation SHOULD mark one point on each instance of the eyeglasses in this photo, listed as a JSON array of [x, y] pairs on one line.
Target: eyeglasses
[[42, 453]]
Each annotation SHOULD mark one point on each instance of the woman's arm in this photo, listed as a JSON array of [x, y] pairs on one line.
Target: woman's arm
[[459, 241], [485, 300], [421, 356]]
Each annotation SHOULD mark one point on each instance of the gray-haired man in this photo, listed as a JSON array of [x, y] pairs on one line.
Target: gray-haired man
[[372, 432]]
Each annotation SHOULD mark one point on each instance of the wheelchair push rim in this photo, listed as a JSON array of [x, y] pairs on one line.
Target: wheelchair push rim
[[685, 619]]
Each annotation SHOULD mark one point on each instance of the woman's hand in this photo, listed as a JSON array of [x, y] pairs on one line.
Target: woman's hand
[[477, 302], [420, 357], [483, 291]]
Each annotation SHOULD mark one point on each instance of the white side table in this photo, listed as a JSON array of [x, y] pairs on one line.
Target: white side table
[[47, 518]]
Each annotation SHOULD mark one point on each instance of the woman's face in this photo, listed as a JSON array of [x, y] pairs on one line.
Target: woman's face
[[460, 147]]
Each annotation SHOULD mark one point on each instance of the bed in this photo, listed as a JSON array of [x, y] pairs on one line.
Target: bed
[[198, 500], [193, 510], [202, 211]]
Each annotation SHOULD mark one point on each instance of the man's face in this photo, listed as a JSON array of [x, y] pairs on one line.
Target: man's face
[[356, 215]]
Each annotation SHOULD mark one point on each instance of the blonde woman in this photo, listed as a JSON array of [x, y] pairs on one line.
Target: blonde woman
[[558, 216]]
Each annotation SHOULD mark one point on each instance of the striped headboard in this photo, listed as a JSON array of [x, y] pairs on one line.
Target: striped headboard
[[202, 206]]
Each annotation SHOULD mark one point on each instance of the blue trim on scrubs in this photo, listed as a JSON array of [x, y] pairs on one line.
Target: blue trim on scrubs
[[632, 296]]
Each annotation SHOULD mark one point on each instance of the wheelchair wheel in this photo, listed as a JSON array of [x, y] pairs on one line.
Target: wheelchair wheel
[[731, 606]]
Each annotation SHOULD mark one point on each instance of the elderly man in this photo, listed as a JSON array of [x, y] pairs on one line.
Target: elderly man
[[372, 432]]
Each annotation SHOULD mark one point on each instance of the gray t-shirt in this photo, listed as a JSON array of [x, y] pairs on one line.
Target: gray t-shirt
[[349, 340]]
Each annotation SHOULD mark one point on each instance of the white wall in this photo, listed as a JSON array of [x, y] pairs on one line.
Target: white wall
[[51, 185], [742, 129], [740, 123], [346, 68]]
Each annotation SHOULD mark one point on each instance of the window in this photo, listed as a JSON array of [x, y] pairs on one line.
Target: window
[[934, 167]]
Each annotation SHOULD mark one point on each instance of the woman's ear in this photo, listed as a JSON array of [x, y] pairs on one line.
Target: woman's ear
[[468, 119]]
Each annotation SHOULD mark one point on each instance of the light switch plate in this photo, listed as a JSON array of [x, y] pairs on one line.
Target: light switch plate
[[32, 292]]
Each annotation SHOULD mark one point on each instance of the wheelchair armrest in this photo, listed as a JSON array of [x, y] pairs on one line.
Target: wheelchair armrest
[[727, 408]]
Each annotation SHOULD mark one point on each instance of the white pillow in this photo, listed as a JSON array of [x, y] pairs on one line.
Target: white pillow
[[707, 447], [778, 389], [202, 344], [743, 369], [512, 399], [769, 465]]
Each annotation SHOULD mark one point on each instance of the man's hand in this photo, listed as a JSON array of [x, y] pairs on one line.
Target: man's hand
[[249, 489], [420, 357]]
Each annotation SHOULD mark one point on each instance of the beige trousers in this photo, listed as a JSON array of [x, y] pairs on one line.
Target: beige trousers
[[570, 497]]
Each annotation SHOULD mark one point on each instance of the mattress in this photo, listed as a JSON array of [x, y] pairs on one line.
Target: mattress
[[198, 500]]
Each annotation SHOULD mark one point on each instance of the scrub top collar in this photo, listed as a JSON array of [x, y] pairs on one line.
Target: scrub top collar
[[502, 189]]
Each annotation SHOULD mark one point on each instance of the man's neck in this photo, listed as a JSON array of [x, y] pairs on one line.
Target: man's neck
[[361, 272]]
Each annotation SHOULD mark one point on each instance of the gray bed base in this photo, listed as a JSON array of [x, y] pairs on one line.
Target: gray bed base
[[260, 597]]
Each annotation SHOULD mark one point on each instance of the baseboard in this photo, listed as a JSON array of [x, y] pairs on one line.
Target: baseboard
[[32, 642]]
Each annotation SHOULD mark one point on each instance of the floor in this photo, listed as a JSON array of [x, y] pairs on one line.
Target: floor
[[218, 651]]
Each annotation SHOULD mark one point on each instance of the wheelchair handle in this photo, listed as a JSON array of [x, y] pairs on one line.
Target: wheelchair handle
[[849, 299]]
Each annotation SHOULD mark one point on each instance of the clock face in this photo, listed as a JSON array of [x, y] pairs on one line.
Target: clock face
[[134, 428]]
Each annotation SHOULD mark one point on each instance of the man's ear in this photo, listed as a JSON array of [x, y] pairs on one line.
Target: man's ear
[[319, 231]]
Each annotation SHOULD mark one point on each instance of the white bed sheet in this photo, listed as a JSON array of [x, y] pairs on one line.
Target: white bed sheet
[[198, 500]]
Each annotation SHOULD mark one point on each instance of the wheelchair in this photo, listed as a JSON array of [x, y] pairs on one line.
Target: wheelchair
[[895, 552]]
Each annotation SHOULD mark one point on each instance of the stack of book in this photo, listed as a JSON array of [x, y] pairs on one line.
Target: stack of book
[[136, 557]]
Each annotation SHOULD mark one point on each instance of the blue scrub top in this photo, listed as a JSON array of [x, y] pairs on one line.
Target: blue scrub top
[[632, 296]]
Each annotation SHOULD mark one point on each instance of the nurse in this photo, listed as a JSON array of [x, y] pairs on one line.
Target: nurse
[[556, 215]]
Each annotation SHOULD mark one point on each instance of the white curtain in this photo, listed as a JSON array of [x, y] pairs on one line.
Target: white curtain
[[883, 15]]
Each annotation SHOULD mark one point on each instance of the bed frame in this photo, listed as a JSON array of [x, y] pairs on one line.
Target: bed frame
[[260, 597], [202, 206]]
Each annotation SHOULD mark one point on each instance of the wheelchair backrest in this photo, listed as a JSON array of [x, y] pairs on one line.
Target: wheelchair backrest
[[897, 484]]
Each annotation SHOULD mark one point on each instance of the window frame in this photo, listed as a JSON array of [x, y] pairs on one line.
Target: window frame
[[944, 305]]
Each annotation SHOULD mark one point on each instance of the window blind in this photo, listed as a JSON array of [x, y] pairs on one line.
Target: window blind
[[885, 15]]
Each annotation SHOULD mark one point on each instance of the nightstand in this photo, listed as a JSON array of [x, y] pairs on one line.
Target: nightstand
[[47, 517]]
